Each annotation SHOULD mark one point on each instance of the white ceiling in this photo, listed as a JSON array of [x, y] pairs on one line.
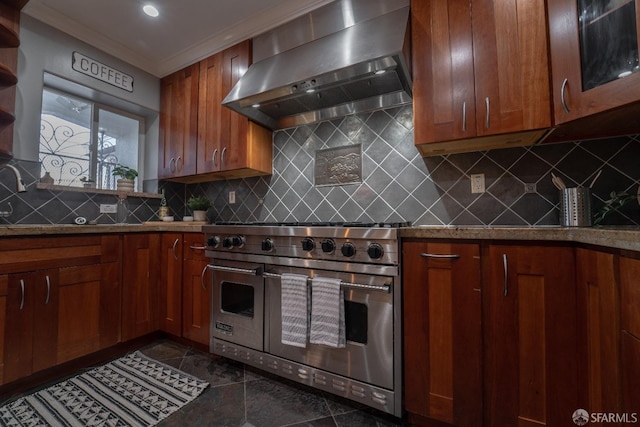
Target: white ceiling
[[185, 32]]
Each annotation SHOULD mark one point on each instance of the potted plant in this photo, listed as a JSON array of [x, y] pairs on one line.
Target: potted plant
[[199, 206], [127, 177], [88, 182]]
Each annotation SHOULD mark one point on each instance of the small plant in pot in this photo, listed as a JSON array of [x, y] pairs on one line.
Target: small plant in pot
[[199, 206], [127, 177]]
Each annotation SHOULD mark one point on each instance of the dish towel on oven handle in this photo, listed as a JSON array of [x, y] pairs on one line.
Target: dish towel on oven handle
[[327, 312], [294, 309]]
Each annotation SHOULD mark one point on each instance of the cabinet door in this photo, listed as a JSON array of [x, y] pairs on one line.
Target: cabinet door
[[171, 283], [140, 277], [32, 323], [594, 55], [178, 123], [442, 331], [210, 114], [443, 79], [599, 330], [511, 66], [234, 126], [87, 310], [196, 309], [530, 347], [4, 289], [630, 301]]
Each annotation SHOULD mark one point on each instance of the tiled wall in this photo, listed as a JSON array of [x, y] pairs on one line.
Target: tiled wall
[[398, 184]]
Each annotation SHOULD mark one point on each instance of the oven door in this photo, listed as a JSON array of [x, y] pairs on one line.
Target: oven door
[[237, 307], [368, 355]]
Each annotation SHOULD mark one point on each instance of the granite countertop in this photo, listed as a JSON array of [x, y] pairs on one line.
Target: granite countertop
[[619, 237]]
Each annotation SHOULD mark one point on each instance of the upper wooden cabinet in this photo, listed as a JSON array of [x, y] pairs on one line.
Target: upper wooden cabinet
[[594, 56], [480, 74], [200, 139]]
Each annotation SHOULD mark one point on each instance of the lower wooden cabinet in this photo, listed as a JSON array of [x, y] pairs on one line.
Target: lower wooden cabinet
[[630, 336], [66, 307], [140, 285], [530, 336], [442, 332], [196, 290], [171, 249]]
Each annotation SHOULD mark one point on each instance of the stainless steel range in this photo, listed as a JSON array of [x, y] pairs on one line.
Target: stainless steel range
[[251, 264]]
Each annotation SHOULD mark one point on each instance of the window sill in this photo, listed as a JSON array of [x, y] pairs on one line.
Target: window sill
[[52, 187]]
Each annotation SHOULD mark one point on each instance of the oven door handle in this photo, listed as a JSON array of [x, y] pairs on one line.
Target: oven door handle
[[248, 271], [384, 288]]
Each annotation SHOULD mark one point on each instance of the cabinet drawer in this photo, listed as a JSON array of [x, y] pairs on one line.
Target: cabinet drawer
[[194, 246], [630, 295]]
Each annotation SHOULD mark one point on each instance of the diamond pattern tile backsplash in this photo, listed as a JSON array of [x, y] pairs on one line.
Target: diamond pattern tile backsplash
[[397, 183]]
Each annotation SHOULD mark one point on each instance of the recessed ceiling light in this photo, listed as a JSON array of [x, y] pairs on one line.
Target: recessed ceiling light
[[150, 10]]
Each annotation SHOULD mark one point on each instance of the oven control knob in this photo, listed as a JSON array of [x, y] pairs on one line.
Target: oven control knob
[[237, 241], [213, 241], [308, 244], [348, 250], [328, 246], [375, 251], [267, 245], [227, 242]]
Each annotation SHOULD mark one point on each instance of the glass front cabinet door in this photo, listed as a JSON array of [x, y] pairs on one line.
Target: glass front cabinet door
[[594, 56]]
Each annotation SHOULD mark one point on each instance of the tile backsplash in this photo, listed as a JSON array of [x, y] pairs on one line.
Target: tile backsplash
[[397, 183]]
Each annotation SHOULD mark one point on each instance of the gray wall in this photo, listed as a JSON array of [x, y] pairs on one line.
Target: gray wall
[[45, 49]]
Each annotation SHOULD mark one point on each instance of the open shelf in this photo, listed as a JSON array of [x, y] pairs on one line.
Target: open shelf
[[6, 117], [7, 77], [8, 37]]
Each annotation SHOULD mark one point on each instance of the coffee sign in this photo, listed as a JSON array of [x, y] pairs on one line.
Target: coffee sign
[[91, 67]]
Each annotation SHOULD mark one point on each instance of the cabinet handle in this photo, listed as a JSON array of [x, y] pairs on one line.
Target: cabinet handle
[[464, 116], [506, 280], [563, 101], [440, 256], [22, 297], [204, 271], [214, 157], [198, 248], [487, 122], [172, 165], [46, 302], [175, 244], [179, 163], [224, 151]]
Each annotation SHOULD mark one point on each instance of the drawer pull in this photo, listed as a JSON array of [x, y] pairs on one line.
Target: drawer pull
[[440, 256]]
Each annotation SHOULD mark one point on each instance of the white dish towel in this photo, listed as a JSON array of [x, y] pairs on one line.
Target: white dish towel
[[294, 309], [327, 313]]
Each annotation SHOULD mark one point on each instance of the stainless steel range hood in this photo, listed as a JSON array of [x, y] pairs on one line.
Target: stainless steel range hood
[[347, 57]]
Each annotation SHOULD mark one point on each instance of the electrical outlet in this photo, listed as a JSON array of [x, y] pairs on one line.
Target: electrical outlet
[[232, 197], [477, 183], [107, 209], [530, 187]]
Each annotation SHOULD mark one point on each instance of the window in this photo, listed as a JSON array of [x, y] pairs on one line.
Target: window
[[81, 141]]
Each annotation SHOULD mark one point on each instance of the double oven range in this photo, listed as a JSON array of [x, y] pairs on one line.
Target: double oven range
[[247, 262]]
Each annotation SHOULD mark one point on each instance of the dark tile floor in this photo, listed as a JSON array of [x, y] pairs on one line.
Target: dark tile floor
[[240, 396]]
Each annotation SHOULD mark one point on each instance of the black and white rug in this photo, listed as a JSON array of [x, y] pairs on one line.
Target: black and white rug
[[131, 391]]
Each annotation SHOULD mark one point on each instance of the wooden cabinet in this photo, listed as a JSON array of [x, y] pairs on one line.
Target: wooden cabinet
[[530, 336], [196, 290], [9, 42], [442, 332], [222, 144], [630, 335], [178, 123], [480, 74], [4, 291], [32, 323], [171, 283], [140, 285], [594, 56], [61, 298]]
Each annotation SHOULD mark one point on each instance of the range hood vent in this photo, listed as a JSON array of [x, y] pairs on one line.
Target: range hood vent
[[348, 57]]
